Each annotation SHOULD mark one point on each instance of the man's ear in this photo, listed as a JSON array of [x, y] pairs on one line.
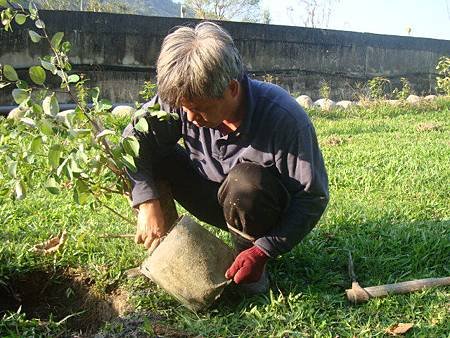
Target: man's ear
[[234, 87]]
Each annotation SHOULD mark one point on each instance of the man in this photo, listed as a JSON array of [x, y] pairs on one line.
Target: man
[[250, 163]]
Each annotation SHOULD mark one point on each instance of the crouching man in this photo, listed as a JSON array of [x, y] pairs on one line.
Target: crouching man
[[250, 163]]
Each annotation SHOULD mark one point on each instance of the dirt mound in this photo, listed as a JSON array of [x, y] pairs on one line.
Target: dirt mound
[[66, 295]]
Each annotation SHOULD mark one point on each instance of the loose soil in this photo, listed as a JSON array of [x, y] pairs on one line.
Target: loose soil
[[45, 295]]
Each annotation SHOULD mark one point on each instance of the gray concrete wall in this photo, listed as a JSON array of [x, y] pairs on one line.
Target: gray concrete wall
[[118, 53]]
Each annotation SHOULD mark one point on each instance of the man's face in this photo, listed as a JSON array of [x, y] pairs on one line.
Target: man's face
[[209, 112]]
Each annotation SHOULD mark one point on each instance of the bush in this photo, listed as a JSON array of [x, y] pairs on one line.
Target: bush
[[325, 89], [378, 87], [443, 80], [148, 90], [404, 92], [82, 148]]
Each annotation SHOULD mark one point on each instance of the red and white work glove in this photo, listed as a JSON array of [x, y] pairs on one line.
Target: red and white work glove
[[248, 266]]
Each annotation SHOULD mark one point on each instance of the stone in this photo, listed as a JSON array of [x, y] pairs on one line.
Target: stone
[[430, 97], [345, 104], [413, 99], [325, 104], [123, 111], [305, 101], [394, 102], [364, 103]]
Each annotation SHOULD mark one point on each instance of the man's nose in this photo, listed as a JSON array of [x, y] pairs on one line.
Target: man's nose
[[190, 115]]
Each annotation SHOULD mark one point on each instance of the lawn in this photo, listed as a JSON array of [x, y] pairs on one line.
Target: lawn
[[389, 173]]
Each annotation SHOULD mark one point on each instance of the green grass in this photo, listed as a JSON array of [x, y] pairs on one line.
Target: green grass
[[389, 185]]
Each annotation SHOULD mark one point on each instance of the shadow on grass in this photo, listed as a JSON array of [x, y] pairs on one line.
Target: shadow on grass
[[382, 253]]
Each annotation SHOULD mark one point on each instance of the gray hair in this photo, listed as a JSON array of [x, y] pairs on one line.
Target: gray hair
[[197, 62]]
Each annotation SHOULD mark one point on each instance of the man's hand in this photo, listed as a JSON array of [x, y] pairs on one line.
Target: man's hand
[[248, 266], [150, 224]]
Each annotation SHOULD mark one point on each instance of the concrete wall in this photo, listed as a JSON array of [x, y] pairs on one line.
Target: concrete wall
[[118, 53]]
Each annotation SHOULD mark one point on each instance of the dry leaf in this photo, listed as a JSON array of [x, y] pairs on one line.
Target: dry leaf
[[50, 246], [399, 329], [428, 126]]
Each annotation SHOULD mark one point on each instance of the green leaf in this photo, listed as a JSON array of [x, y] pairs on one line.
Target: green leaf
[[36, 144], [62, 166], [12, 169], [104, 104], [20, 95], [54, 155], [74, 165], [6, 17], [10, 73], [50, 105], [35, 37], [80, 132], [128, 160], [40, 24], [61, 74], [94, 93], [131, 146], [32, 10], [81, 155], [22, 84], [80, 197], [19, 190], [49, 66], [20, 18], [30, 158], [52, 186], [139, 113], [142, 125], [66, 47], [104, 133], [66, 169], [37, 108], [66, 117], [56, 39], [4, 3], [45, 127], [74, 78], [29, 122], [68, 172], [82, 186], [37, 75], [161, 115], [67, 66]]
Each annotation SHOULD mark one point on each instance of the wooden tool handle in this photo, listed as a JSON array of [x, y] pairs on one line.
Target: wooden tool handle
[[357, 294]]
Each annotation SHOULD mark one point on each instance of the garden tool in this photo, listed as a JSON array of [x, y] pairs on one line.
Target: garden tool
[[358, 294]]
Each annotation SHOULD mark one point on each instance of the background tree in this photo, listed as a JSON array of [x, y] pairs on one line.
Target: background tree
[[245, 10], [266, 17], [312, 13], [111, 6]]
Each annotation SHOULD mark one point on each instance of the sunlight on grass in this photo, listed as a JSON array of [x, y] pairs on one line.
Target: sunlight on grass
[[389, 206]]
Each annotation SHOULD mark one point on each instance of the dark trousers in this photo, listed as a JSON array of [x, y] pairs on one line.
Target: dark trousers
[[250, 199]]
